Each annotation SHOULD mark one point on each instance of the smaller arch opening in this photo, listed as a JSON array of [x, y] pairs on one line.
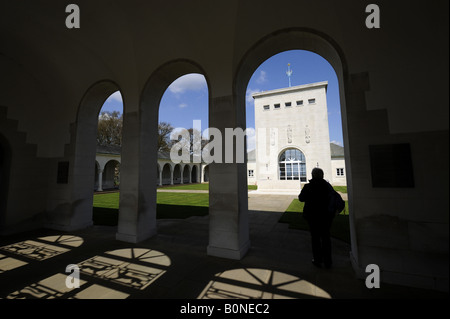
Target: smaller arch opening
[[166, 174], [194, 174], [206, 174], [111, 175], [177, 174], [186, 174]]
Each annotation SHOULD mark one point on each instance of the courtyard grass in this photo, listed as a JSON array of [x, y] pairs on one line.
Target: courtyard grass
[[184, 205], [340, 189], [169, 205], [293, 216], [196, 186]]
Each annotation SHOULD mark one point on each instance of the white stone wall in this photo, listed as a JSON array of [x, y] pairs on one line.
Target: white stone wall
[[169, 173], [251, 180], [304, 127], [335, 179]]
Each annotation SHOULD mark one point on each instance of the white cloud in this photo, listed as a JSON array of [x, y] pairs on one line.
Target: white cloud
[[182, 105], [188, 82], [116, 96], [262, 77], [249, 94], [337, 143]]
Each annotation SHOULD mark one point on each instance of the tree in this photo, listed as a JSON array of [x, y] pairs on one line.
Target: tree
[[110, 126], [187, 144], [109, 129], [198, 134], [164, 142]]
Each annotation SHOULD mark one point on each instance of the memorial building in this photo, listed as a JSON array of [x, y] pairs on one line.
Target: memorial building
[[292, 137]]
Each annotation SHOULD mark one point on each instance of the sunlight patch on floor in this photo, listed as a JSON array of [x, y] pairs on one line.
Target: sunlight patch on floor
[[245, 283]]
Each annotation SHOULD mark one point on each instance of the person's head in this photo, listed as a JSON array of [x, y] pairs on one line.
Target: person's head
[[317, 173]]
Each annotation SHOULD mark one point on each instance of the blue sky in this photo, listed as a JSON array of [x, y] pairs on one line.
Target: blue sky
[[186, 99]]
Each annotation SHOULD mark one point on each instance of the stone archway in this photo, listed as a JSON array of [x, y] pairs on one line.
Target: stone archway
[[77, 212], [166, 176], [177, 174], [186, 174], [111, 175], [265, 48], [194, 174], [137, 216], [206, 174]]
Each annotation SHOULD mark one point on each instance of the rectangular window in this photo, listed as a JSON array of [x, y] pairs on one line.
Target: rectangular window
[[251, 173], [300, 103], [266, 107], [277, 106], [311, 101], [288, 104], [339, 171]]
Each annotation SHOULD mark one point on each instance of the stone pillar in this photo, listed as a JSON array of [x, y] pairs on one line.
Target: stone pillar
[[182, 174], [228, 198], [190, 176], [171, 176], [160, 178], [137, 214], [100, 180]]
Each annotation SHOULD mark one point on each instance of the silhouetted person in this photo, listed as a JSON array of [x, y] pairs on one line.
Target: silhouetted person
[[316, 195]]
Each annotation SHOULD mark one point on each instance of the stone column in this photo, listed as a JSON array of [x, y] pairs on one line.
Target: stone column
[[228, 205], [100, 180], [137, 214], [182, 174], [171, 176], [160, 177], [190, 176]]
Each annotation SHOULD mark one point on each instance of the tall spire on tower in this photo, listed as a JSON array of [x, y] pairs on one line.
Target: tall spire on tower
[[289, 73]]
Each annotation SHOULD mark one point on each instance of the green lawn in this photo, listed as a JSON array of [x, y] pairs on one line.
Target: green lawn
[[293, 216], [183, 205], [203, 186], [169, 205], [341, 189]]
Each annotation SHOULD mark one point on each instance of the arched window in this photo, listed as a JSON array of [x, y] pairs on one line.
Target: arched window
[[292, 165]]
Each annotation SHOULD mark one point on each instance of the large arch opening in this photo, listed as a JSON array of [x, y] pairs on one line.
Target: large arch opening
[[184, 110], [137, 216], [108, 159], [79, 212], [281, 42]]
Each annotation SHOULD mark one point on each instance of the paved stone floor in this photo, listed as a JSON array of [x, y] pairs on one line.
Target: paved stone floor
[[174, 264]]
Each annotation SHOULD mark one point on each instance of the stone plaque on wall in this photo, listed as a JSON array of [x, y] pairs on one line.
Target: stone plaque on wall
[[391, 165], [63, 173]]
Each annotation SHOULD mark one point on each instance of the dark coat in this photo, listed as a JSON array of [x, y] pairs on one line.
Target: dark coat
[[316, 195]]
